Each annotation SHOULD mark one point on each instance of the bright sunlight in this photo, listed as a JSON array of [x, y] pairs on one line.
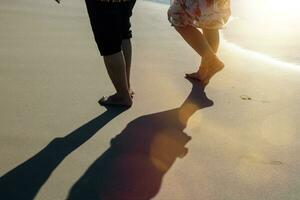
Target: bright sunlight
[[287, 7]]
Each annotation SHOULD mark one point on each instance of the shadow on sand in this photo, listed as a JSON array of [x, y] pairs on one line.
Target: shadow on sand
[[138, 158], [24, 182]]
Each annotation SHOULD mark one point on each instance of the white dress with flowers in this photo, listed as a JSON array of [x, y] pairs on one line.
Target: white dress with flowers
[[206, 14]]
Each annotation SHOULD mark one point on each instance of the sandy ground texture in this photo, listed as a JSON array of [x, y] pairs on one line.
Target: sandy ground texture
[[237, 139]]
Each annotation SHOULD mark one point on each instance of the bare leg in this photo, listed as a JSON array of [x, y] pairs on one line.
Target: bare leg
[[116, 68], [127, 52], [213, 38], [196, 40], [209, 60]]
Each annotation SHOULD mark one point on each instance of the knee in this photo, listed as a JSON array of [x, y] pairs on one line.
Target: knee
[[180, 29], [211, 31], [183, 30]]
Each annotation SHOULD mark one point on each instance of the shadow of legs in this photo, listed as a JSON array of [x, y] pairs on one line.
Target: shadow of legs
[[24, 182], [139, 157]]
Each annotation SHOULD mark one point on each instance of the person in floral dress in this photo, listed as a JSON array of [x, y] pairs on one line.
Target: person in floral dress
[[188, 16]]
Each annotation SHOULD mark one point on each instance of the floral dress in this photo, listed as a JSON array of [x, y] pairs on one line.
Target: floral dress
[[206, 14]]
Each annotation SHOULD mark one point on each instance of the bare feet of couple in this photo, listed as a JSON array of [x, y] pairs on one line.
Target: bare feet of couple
[[208, 68], [117, 100]]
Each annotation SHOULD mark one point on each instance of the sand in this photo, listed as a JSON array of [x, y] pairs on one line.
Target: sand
[[244, 131]]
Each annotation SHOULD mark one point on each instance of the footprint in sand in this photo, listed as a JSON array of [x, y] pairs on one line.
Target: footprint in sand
[[255, 159], [247, 98]]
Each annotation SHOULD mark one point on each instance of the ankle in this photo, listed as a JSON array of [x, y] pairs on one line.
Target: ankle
[[209, 57], [123, 94]]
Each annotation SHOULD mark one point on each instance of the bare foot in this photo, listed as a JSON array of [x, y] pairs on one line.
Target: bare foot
[[199, 75], [214, 66], [116, 100]]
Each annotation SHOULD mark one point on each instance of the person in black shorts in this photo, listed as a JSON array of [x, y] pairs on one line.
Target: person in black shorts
[[110, 21]]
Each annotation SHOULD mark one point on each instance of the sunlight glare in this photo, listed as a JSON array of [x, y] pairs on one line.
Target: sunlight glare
[[269, 11], [287, 7]]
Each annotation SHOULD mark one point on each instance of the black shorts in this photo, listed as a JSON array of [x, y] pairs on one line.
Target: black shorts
[[110, 23]]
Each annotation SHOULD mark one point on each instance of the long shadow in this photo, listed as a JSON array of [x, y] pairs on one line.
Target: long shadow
[[138, 158], [24, 181]]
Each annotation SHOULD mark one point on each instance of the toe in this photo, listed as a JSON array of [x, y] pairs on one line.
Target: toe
[[195, 76]]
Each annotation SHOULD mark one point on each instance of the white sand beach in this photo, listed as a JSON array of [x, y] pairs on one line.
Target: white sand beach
[[244, 146]]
